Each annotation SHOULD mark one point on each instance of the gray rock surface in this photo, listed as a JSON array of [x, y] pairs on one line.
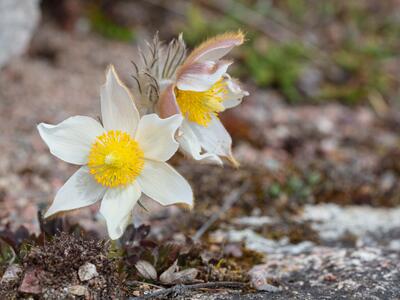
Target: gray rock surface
[[18, 20], [368, 267], [333, 273], [364, 222], [322, 273]]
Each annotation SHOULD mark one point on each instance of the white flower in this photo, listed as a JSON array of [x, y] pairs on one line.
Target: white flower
[[120, 160], [201, 90]]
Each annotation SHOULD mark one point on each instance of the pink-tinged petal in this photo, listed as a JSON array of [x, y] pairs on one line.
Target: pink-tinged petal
[[215, 139], [216, 47], [234, 94], [201, 77], [167, 105], [191, 147]]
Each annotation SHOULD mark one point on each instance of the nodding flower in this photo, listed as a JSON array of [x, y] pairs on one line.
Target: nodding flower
[[199, 91]]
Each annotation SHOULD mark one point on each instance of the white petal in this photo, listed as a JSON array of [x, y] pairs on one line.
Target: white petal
[[79, 191], [190, 146], [201, 77], [214, 138], [235, 93], [163, 184], [156, 136], [216, 47], [116, 207], [118, 109], [71, 139]]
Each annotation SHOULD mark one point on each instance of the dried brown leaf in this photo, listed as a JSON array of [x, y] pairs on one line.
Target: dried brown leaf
[[146, 270], [170, 276]]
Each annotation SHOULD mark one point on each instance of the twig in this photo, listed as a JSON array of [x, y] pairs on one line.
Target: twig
[[137, 282], [229, 201], [182, 289]]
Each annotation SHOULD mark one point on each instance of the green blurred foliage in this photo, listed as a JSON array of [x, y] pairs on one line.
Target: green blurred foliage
[[359, 40], [363, 64], [366, 44], [106, 27], [295, 186], [279, 66], [268, 64], [198, 28], [7, 254]]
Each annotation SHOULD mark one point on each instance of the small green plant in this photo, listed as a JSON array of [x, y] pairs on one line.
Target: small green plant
[[279, 65], [364, 66], [299, 187]]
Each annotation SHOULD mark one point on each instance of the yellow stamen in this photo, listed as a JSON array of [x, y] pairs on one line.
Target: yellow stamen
[[115, 159], [199, 107]]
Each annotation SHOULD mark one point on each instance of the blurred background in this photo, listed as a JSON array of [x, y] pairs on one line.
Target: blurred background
[[308, 51], [318, 133], [322, 118], [318, 137]]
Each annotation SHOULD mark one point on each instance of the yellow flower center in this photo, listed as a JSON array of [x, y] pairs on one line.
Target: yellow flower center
[[199, 107], [115, 159]]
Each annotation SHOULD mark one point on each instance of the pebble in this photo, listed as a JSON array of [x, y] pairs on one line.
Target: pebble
[[11, 274], [87, 272], [31, 282], [77, 290]]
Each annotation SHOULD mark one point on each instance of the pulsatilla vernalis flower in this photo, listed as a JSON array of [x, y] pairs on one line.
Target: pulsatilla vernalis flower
[[120, 159], [197, 87], [201, 90]]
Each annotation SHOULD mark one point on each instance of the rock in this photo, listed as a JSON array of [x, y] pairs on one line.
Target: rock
[[394, 245], [324, 125], [11, 274], [87, 271], [77, 290], [31, 282], [18, 20], [366, 255], [260, 244], [331, 273], [329, 277], [259, 280], [332, 222], [136, 293]]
